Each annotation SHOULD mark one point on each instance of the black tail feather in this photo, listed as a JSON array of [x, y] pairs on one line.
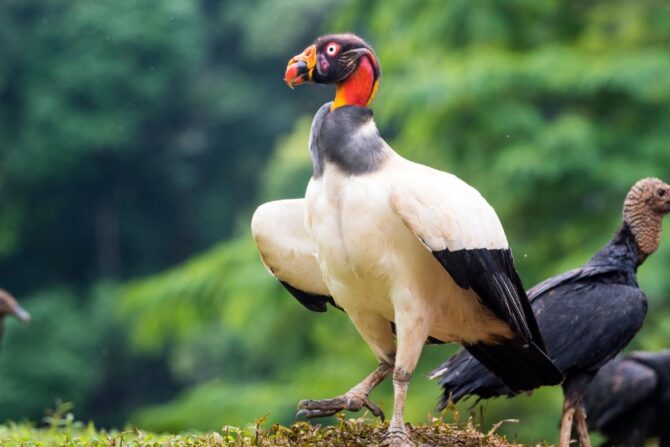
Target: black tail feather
[[462, 375], [523, 366], [496, 370]]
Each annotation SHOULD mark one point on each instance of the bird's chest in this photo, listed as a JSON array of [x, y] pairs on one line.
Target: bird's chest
[[354, 229]]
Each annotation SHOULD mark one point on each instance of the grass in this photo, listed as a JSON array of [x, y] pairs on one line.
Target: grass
[[63, 430]]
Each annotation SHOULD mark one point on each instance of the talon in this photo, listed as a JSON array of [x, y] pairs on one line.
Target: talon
[[311, 414], [328, 407], [304, 403], [374, 408]]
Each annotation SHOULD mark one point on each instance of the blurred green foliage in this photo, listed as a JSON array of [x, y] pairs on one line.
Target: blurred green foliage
[[137, 138], [56, 356], [65, 431]]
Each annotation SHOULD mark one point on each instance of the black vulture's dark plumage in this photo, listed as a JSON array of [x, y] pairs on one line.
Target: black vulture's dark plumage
[[586, 315], [629, 399]]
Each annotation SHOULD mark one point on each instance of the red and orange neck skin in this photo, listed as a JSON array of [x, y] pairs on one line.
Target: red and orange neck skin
[[359, 88]]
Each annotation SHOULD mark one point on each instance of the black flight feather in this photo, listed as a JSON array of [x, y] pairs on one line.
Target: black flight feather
[[587, 315], [521, 362], [312, 301]]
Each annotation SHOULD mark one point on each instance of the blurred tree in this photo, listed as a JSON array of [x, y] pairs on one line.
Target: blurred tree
[[126, 126], [54, 359], [131, 136]]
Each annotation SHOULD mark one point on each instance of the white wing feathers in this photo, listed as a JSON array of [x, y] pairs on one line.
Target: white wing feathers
[[285, 246], [444, 212]]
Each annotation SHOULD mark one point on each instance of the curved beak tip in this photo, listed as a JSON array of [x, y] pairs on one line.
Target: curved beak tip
[[22, 315], [299, 68], [297, 72]]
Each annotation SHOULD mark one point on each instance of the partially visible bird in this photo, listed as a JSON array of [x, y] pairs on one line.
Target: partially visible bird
[[410, 253], [629, 400], [9, 306], [586, 315]]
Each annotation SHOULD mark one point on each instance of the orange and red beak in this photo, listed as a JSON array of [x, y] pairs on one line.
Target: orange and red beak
[[301, 67]]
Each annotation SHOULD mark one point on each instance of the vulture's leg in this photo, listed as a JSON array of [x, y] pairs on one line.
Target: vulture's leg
[[412, 332], [353, 400], [566, 423], [574, 389], [582, 429], [376, 331]]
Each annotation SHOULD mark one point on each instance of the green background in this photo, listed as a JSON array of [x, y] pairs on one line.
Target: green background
[[137, 137]]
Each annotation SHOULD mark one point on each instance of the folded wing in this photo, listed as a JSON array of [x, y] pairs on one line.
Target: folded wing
[[465, 235], [289, 253]]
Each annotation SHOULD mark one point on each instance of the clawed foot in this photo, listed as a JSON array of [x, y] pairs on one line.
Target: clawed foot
[[397, 438], [328, 407]]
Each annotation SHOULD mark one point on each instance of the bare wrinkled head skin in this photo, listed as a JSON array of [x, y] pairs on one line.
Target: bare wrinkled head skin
[[643, 210], [9, 306]]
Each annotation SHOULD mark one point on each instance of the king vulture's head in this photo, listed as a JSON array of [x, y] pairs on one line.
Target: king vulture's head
[[345, 60]]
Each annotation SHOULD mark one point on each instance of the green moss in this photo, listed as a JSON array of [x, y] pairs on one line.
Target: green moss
[[347, 432]]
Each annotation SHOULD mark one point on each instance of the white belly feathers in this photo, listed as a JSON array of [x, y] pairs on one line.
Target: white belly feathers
[[368, 255]]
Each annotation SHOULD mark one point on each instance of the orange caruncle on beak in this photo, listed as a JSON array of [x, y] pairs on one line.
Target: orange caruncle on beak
[[301, 67]]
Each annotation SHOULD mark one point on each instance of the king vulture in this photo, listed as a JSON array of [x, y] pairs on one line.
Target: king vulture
[[629, 400], [587, 315], [9, 306], [410, 253]]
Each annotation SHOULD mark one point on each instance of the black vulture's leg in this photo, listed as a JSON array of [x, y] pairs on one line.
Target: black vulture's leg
[[574, 388], [353, 400], [582, 429], [566, 423]]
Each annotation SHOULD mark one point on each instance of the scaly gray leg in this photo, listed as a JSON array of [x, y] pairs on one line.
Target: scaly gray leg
[[397, 435]]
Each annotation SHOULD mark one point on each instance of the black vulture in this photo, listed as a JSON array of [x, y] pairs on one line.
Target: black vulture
[[586, 315], [629, 400], [394, 244]]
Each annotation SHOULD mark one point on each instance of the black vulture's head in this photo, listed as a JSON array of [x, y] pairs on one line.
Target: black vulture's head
[[345, 60], [647, 197], [645, 205]]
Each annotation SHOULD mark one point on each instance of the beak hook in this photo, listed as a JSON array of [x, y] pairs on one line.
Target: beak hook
[[301, 67]]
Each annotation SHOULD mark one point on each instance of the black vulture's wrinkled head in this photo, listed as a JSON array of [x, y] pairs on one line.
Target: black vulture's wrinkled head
[[646, 203], [647, 196]]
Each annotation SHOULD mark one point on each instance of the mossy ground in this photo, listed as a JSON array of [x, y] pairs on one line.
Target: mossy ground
[[347, 432]]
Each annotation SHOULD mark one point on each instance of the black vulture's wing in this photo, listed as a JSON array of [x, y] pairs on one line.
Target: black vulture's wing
[[573, 276], [619, 386], [586, 324], [289, 253]]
